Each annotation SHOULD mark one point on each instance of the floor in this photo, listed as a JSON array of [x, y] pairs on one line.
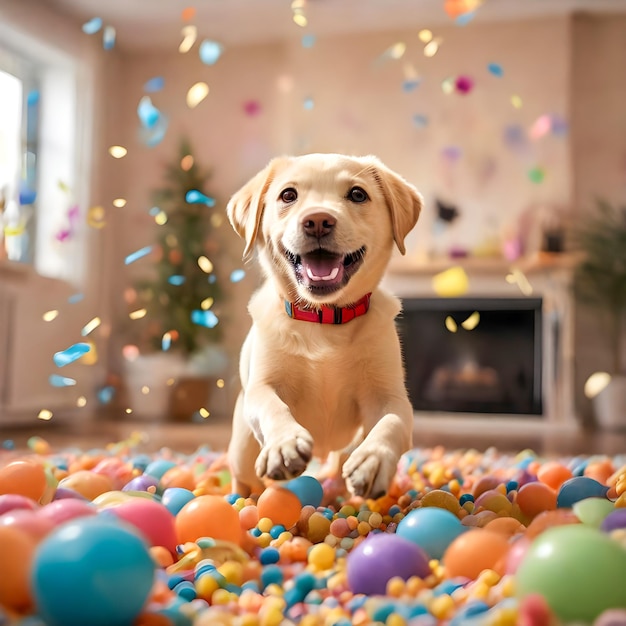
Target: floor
[[97, 431]]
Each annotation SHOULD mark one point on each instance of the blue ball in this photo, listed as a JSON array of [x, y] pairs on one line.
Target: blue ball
[[431, 528], [579, 488], [308, 490], [91, 571], [175, 498]]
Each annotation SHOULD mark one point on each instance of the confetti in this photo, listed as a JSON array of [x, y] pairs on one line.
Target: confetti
[[71, 354], [212, 278], [208, 319], [48, 316], [119, 203], [425, 35], [187, 14], [517, 277], [27, 195], [472, 321], [92, 26], [157, 83], [160, 218], [90, 326], [206, 304], [148, 114], [237, 275], [205, 264], [463, 84], [252, 107], [451, 324], [196, 94], [203, 412], [95, 217], [495, 69], [45, 415], [396, 51], [220, 383], [75, 298], [447, 85], [154, 136], [186, 163], [81, 401], [451, 153], [559, 126], [118, 152], [431, 48], [308, 104], [210, 51], [139, 254], [33, 97], [177, 280], [596, 383], [193, 196], [451, 282], [516, 101], [420, 121], [106, 394], [130, 352], [108, 37], [308, 41], [138, 314], [411, 84], [65, 234], [466, 18], [61, 381], [91, 356], [189, 33], [515, 136], [541, 127], [300, 19], [63, 186], [166, 341], [536, 175]]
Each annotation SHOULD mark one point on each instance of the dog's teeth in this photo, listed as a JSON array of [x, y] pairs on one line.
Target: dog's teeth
[[330, 276]]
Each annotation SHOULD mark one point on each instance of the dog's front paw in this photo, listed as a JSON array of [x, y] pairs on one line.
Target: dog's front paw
[[285, 458], [368, 472]]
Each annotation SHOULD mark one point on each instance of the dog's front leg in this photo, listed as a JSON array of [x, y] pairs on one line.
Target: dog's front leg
[[286, 447], [370, 468]]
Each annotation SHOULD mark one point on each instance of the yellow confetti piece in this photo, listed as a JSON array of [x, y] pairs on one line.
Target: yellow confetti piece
[[63, 187], [95, 217], [186, 163], [220, 383], [451, 324], [298, 5], [45, 415], [190, 34], [145, 390], [397, 50], [161, 218], [516, 101], [447, 85], [81, 401], [128, 411], [204, 413], [205, 264], [596, 383], [518, 277], [300, 20], [118, 152], [206, 304], [138, 314], [90, 326], [196, 94], [451, 282], [425, 36], [472, 321], [90, 357], [48, 316], [119, 202], [431, 48], [217, 220], [14, 231]]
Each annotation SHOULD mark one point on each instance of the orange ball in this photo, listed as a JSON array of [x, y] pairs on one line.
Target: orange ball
[[507, 526], [88, 484], [474, 551], [553, 474], [280, 505], [208, 516], [23, 477], [534, 498], [17, 550], [178, 477], [600, 471], [548, 519]]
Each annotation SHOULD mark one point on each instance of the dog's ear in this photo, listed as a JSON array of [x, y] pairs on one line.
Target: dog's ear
[[245, 208], [403, 200]]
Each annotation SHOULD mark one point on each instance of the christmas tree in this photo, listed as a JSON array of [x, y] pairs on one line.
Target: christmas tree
[[180, 295]]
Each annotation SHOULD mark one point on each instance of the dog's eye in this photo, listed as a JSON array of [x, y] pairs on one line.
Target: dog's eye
[[288, 195], [358, 195]]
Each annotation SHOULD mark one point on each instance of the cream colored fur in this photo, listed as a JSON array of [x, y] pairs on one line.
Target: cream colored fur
[[315, 389]]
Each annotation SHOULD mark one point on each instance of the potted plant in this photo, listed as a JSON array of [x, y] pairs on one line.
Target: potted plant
[[174, 302], [600, 281]]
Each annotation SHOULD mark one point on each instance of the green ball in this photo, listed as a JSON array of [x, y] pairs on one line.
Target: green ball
[[579, 571], [592, 511]]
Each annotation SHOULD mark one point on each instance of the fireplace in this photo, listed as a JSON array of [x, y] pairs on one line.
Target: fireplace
[[474, 355]]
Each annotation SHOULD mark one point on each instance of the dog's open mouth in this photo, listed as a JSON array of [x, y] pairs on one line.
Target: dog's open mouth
[[322, 271]]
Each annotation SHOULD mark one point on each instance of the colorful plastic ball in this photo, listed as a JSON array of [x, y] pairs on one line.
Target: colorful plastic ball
[[23, 477], [280, 505], [17, 549], [60, 511], [308, 489], [13, 501], [63, 493], [158, 468], [380, 557], [87, 483], [152, 519], [29, 522], [208, 516], [592, 511], [614, 520], [534, 498], [579, 488], [175, 498], [432, 529], [474, 551], [92, 571], [577, 569], [144, 482]]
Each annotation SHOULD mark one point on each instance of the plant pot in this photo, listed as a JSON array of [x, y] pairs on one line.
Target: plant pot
[[188, 395], [149, 381], [610, 405]]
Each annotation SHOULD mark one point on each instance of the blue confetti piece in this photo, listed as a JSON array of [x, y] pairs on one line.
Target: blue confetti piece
[[559, 126], [148, 114], [154, 211], [210, 51], [108, 38], [212, 278], [308, 41], [61, 381], [465, 18], [495, 69], [176, 280], [420, 121], [138, 254], [194, 196], [154, 84], [27, 195], [92, 26], [105, 394], [208, 319], [452, 153], [75, 298], [237, 275], [71, 354], [166, 342], [411, 84], [154, 136], [308, 104], [32, 98]]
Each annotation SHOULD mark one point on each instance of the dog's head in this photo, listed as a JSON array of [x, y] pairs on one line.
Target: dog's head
[[325, 224]]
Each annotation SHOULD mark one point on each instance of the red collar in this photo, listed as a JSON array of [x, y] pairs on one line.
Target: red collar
[[329, 314]]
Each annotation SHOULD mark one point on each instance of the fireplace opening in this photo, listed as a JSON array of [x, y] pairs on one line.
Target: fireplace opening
[[473, 355]]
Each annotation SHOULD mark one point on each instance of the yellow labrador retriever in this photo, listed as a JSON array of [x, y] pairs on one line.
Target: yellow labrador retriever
[[321, 368]]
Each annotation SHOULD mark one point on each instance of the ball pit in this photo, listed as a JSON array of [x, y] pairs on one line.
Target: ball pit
[[462, 538]]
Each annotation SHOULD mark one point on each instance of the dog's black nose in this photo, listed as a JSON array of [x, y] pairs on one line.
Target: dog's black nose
[[318, 224]]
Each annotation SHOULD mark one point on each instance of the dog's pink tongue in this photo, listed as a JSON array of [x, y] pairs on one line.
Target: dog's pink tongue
[[322, 269]]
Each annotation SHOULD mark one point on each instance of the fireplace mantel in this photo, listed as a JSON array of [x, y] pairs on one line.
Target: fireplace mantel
[[544, 275]]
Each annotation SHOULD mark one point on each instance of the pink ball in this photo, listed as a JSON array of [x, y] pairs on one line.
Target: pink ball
[[154, 521], [516, 554], [29, 522], [12, 501], [60, 511]]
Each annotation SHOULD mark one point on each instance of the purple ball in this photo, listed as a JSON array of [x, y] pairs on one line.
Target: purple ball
[[380, 557], [63, 493], [141, 483], [614, 520]]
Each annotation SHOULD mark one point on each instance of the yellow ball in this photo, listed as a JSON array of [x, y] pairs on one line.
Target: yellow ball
[[321, 556]]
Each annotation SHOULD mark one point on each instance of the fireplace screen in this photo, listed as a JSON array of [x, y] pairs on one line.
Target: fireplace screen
[[473, 355]]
